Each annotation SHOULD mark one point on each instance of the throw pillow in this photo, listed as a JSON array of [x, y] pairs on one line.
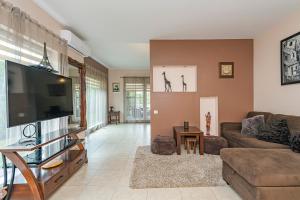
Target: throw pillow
[[251, 126], [295, 141], [277, 132]]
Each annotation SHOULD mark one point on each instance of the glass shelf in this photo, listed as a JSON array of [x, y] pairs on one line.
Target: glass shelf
[[45, 153], [45, 140]]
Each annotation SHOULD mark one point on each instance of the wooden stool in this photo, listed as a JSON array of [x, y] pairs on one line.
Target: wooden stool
[[190, 144]]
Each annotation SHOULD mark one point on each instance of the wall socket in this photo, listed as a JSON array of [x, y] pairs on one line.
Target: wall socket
[[155, 112]]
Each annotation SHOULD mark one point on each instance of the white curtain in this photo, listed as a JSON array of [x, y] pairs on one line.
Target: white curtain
[[21, 40], [76, 99], [96, 97], [136, 99]]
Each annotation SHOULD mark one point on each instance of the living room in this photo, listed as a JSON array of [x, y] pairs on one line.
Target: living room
[[150, 100]]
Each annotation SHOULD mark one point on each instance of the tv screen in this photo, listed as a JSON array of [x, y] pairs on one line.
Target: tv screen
[[35, 94]]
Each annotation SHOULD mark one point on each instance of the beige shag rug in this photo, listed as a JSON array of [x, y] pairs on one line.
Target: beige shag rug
[[186, 170]]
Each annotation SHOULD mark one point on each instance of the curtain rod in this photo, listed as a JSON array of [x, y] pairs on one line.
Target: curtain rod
[[20, 14]]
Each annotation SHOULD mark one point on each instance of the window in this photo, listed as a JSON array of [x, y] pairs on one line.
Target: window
[[137, 99], [9, 51], [27, 52], [21, 40], [74, 74]]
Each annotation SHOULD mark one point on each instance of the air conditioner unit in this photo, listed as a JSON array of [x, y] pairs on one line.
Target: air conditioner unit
[[75, 42]]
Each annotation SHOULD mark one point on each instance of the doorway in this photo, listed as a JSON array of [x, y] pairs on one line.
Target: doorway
[[136, 99]]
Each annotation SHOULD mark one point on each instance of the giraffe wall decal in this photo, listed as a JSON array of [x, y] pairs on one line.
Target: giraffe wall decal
[[168, 87], [184, 85]]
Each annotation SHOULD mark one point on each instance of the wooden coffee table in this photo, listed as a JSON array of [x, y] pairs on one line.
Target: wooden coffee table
[[179, 132]]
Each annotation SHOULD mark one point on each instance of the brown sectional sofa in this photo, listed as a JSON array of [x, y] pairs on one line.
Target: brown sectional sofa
[[261, 170]]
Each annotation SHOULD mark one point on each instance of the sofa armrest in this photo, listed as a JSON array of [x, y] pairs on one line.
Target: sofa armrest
[[231, 126]]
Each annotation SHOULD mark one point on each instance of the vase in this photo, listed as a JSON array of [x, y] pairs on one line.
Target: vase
[[186, 125]]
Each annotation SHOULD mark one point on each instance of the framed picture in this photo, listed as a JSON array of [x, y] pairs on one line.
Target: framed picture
[[175, 78], [290, 59], [226, 70], [116, 87]]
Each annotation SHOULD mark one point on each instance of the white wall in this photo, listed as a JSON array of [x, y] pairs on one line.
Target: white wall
[[269, 95], [116, 99]]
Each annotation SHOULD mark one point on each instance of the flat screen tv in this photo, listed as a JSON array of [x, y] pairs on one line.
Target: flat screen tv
[[34, 95]]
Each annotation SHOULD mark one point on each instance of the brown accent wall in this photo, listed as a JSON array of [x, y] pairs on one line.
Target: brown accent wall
[[235, 95]]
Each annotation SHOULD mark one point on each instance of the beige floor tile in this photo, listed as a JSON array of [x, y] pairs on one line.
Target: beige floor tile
[[82, 177], [108, 173], [225, 193], [78, 181], [124, 180], [125, 193], [164, 194], [97, 193], [111, 153], [101, 181], [197, 193], [67, 193]]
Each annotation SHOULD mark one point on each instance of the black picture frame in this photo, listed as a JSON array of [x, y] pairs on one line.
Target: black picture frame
[[221, 70], [290, 60], [116, 87]]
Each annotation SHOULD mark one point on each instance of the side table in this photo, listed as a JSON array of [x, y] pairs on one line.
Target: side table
[[179, 132], [113, 117]]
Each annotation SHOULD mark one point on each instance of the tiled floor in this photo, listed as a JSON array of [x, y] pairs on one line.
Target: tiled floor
[[111, 151]]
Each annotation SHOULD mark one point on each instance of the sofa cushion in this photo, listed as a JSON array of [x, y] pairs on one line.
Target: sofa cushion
[[293, 121], [267, 115], [252, 125], [234, 135], [249, 141], [277, 132], [255, 143], [264, 167], [295, 141]]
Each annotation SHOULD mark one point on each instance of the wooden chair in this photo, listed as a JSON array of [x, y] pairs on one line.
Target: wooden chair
[[190, 143]]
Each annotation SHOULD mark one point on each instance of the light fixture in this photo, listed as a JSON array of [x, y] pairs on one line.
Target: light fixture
[[62, 80]]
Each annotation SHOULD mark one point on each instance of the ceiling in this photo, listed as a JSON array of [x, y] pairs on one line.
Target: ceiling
[[118, 31]]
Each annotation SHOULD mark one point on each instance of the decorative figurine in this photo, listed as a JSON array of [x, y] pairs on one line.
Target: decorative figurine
[[168, 87], [183, 84], [208, 122], [45, 63]]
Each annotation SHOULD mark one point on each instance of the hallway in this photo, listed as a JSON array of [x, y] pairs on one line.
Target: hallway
[[111, 152]]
